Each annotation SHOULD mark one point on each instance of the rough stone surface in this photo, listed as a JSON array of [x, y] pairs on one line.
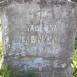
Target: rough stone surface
[[39, 36]]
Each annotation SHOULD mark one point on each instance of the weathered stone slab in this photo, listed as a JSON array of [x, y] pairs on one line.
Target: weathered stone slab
[[39, 36]]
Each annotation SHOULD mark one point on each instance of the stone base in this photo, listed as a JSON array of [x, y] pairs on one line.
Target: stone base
[[66, 73]]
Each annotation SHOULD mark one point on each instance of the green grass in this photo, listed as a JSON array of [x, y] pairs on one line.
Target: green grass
[[74, 60], [1, 48], [0, 29]]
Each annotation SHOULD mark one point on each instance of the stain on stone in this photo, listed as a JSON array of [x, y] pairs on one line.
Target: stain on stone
[[6, 2], [59, 1], [73, 5], [19, 1], [27, 0], [3, 3], [1, 0], [22, 1], [74, 1], [42, 3], [56, 2]]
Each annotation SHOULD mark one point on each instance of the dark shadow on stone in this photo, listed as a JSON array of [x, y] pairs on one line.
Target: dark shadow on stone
[[23, 74], [22, 1], [30, 75], [56, 2], [3, 3], [27, 0], [74, 1]]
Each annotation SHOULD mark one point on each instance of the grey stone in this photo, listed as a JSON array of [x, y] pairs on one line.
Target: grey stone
[[39, 36]]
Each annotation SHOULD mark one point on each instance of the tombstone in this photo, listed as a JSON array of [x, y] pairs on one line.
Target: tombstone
[[39, 36]]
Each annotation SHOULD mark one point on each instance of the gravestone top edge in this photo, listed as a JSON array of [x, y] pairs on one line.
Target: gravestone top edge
[[42, 2]]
